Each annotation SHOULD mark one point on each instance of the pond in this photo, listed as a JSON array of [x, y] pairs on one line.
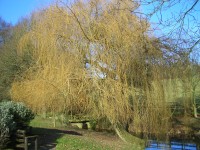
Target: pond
[[172, 145]]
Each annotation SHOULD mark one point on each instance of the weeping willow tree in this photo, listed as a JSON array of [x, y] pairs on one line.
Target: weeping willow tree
[[95, 58]]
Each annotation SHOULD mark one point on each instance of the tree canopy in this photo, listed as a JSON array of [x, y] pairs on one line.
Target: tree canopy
[[98, 59]]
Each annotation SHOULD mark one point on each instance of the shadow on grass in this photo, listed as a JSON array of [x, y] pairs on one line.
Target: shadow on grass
[[47, 137]]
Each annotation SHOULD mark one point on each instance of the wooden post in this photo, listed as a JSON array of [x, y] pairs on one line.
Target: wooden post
[[36, 143], [54, 119], [35, 139], [26, 143]]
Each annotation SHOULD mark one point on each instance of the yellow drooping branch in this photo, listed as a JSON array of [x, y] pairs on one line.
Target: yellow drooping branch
[[99, 63]]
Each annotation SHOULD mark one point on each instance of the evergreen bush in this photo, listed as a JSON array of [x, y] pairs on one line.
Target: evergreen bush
[[12, 116]]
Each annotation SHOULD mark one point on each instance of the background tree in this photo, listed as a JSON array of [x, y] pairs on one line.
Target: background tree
[[11, 64], [178, 19], [5, 31], [177, 23]]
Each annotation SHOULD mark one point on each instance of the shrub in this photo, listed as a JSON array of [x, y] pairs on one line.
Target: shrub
[[21, 114], [6, 125], [12, 116]]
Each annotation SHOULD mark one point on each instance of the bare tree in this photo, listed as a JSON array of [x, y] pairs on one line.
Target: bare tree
[[178, 18], [5, 31], [176, 24]]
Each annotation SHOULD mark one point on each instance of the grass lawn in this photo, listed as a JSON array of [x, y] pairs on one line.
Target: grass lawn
[[44, 123], [71, 142], [70, 138]]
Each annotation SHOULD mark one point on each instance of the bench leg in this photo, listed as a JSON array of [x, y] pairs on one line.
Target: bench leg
[[36, 144], [26, 144]]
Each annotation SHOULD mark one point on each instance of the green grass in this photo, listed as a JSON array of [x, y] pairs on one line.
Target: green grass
[[44, 123], [43, 126], [71, 142]]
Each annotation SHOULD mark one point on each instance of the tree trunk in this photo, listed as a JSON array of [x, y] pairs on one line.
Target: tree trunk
[[195, 111], [194, 103], [128, 138]]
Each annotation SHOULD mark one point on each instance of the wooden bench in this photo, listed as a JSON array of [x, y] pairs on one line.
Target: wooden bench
[[82, 124], [23, 141]]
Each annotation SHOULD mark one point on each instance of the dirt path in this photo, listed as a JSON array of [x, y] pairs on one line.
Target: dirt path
[[47, 137]]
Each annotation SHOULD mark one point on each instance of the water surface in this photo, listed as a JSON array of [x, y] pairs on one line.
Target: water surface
[[172, 145]]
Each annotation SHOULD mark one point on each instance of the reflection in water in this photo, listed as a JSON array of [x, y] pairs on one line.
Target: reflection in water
[[173, 145]]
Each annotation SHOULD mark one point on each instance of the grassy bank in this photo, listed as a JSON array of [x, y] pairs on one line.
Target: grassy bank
[[92, 142], [71, 142], [69, 138]]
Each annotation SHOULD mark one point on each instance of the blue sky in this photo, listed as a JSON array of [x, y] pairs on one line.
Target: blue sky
[[172, 14], [13, 10]]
